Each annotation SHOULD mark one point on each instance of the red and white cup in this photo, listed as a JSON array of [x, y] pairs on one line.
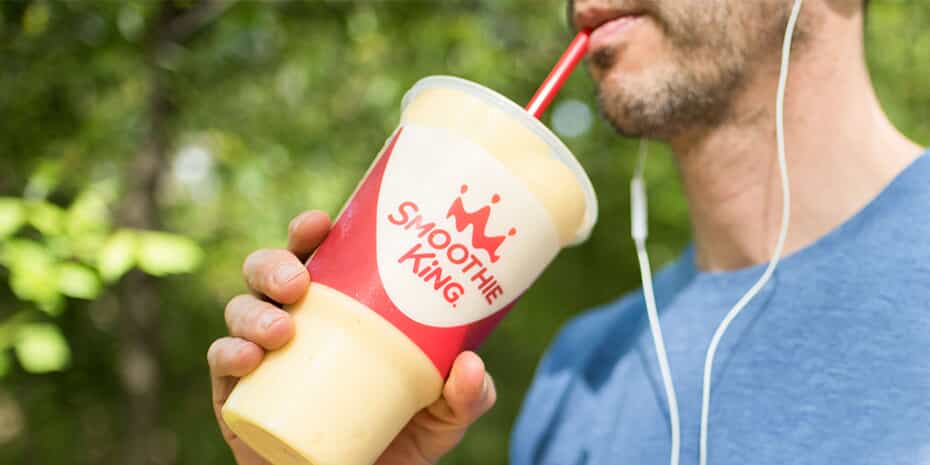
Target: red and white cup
[[469, 200]]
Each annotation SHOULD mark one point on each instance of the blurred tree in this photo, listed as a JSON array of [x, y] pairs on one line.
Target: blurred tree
[[220, 121], [168, 29]]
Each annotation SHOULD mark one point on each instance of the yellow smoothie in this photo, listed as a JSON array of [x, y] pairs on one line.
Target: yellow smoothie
[[349, 381]]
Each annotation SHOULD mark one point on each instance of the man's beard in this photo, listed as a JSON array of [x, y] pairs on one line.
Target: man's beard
[[694, 88], [665, 101]]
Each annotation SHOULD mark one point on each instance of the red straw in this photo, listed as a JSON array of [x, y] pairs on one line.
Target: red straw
[[560, 72]]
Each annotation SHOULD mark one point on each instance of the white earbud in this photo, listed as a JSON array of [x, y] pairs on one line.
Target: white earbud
[[639, 222]]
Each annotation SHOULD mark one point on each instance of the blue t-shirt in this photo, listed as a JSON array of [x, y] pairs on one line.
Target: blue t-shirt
[[829, 364]]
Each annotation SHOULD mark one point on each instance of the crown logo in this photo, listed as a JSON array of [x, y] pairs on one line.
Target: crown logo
[[478, 220]]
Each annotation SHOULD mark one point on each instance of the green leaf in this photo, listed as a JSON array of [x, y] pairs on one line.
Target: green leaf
[[86, 247], [46, 217], [9, 328], [161, 253], [4, 363], [18, 253], [44, 179], [53, 304], [87, 224], [35, 19], [131, 20], [39, 286], [59, 246], [12, 215], [77, 281], [41, 348], [32, 273], [88, 213], [117, 256]]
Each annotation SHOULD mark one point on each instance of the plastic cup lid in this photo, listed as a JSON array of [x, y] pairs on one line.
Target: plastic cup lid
[[558, 148]]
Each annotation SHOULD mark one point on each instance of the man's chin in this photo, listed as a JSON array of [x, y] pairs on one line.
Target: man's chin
[[629, 118], [628, 127], [655, 107]]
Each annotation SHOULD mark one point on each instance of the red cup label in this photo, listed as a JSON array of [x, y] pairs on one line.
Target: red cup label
[[440, 239]]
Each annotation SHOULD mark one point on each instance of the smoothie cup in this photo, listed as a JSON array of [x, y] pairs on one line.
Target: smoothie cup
[[469, 200]]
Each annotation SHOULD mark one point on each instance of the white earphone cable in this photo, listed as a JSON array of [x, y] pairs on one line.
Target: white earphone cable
[[639, 226], [783, 233], [639, 230]]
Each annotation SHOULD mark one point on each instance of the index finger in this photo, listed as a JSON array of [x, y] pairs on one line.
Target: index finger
[[306, 231]]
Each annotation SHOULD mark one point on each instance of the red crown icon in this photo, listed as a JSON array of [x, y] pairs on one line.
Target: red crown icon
[[478, 220]]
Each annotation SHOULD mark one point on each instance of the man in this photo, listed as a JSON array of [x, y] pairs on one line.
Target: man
[[828, 364]]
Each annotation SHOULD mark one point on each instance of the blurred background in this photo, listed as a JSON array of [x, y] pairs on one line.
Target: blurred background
[[146, 148]]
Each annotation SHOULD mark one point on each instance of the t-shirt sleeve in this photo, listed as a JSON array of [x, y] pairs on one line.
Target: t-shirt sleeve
[[550, 383], [536, 411]]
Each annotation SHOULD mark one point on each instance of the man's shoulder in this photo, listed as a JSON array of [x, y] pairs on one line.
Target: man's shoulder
[[890, 234], [577, 344], [619, 318], [567, 359], [579, 338]]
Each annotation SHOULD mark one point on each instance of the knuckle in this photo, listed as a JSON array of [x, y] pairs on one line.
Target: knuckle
[[252, 259], [247, 318], [252, 320], [232, 308], [262, 273], [268, 277], [238, 310], [257, 261], [213, 353]]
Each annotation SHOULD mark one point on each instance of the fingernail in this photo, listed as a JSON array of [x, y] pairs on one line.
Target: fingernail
[[286, 273], [240, 347], [485, 388], [295, 223], [269, 319]]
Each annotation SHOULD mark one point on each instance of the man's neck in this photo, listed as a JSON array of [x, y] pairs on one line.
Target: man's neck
[[841, 152]]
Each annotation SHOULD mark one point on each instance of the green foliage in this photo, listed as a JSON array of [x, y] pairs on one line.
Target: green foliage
[[274, 108], [46, 217], [76, 252], [12, 216], [117, 255], [75, 280], [41, 348], [32, 276], [4, 364], [160, 254]]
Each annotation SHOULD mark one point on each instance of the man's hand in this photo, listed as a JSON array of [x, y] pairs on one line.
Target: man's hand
[[256, 325]]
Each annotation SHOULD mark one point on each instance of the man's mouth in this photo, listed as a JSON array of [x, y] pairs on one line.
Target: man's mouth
[[608, 25], [612, 31]]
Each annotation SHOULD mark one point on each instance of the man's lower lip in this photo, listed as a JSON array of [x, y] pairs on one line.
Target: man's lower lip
[[610, 31]]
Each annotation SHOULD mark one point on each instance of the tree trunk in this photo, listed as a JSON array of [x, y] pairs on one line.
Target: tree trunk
[[140, 368]]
